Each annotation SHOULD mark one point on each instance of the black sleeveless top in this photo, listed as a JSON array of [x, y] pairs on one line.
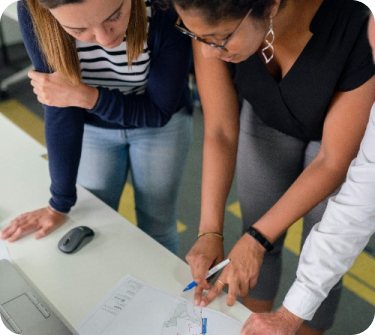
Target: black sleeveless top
[[337, 58]]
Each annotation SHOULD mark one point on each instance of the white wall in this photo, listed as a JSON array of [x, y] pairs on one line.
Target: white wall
[[10, 27]]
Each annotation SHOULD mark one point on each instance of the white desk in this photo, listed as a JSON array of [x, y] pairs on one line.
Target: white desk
[[21, 171], [74, 284]]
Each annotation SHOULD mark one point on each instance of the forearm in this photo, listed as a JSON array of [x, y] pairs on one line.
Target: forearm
[[219, 157], [343, 131], [63, 131], [221, 128], [314, 184], [131, 110], [84, 96], [290, 318]]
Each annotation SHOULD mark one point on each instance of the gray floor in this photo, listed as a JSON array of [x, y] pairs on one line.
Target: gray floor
[[354, 314]]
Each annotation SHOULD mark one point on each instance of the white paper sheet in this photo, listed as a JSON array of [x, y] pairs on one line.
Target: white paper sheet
[[133, 307]]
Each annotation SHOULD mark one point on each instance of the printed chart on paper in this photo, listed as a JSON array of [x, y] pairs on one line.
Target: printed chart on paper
[[133, 307]]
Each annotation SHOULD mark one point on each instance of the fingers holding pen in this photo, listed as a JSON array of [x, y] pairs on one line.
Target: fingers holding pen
[[206, 252], [203, 283], [237, 286], [198, 295], [216, 288], [242, 272]]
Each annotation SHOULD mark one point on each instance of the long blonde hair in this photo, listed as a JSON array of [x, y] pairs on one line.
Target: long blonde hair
[[59, 48]]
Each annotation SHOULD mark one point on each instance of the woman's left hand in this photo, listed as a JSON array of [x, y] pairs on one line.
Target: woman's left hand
[[241, 273], [52, 89]]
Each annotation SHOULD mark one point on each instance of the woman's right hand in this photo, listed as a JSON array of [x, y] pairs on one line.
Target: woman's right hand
[[207, 251], [43, 221]]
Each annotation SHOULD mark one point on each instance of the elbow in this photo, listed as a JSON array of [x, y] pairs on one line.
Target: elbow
[[335, 166]]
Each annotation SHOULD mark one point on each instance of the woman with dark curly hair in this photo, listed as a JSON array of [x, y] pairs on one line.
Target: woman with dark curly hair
[[304, 74]]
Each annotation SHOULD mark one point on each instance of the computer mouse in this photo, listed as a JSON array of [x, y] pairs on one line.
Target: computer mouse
[[75, 239]]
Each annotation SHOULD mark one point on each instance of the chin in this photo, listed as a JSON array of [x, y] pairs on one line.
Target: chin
[[240, 58], [237, 60], [115, 44]]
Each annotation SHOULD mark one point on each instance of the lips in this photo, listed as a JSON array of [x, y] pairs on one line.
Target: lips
[[227, 59], [112, 44]]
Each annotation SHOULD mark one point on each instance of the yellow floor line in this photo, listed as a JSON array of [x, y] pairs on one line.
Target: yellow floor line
[[127, 207], [24, 119], [359, 289], [293, 238], [364, 268], [235, 209], [127, 204], [359, 279]]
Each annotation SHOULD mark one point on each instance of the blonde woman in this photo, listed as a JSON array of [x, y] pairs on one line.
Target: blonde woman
[[112, 78]]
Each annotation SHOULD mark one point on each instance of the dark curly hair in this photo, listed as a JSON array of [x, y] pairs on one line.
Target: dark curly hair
[[216, 10]]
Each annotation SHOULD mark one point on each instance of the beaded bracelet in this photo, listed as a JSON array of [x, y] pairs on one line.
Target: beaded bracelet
[[211, 233]]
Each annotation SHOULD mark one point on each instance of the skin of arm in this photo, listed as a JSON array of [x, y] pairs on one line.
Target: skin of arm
[[343, 130], [221, 128]]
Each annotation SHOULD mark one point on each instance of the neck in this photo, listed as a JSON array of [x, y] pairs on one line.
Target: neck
[[295, 18]]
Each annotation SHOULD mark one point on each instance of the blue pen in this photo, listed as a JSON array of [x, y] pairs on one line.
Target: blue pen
[[212, 271]]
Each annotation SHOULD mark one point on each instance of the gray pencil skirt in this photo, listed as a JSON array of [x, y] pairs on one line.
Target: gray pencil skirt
[[268, 162]]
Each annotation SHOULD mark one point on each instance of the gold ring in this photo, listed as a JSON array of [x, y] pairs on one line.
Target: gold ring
[[221, 282]]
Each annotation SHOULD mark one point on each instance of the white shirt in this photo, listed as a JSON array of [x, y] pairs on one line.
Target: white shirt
[[345, 229]]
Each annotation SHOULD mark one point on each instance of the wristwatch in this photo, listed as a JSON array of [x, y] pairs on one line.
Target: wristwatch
[[260, 238]]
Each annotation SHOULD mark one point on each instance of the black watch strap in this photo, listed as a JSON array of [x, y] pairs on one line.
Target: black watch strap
[[260, 238]]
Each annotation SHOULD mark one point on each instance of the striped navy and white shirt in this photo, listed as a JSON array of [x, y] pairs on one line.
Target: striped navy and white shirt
[[160, 72], [109, 67]]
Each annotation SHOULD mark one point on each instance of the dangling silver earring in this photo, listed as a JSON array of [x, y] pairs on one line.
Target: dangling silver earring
[[269, 39]]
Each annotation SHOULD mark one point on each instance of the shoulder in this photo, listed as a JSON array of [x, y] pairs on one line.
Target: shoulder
[[339, 16], [162, 31], [161, 14], [23, 13]]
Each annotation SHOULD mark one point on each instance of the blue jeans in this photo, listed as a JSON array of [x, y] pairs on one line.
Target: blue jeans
[[155, 157]]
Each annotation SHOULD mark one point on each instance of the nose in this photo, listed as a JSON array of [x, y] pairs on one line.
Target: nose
[[210, 52], [103, 35]]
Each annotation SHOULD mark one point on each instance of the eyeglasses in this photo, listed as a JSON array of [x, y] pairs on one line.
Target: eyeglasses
[[214, 45]]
